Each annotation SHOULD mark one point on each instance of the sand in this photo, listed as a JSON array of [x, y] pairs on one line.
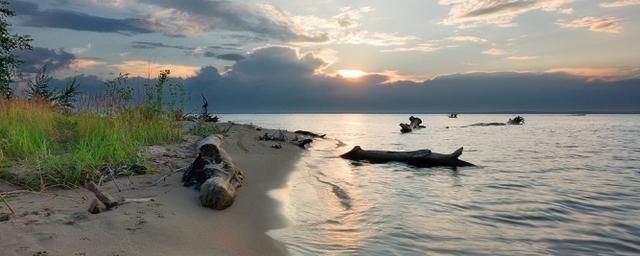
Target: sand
[[57, 222]]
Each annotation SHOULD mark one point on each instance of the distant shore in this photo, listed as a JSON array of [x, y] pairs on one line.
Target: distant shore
[[57, 222]]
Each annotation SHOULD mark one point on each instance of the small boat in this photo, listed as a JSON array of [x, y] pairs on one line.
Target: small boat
[[453, 115]]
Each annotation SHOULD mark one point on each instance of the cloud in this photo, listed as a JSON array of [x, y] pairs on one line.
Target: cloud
[[595, 24], [522, 58], [35, 59], [424, 47], [155, 45], [283, 79], [30, 14], [472, 39], [189, 17], [206, 51], [472, 13], [280, 62], [145, 69], [493, 51], [606, 74], [567, 11], [85, 63], [231, 56], [620, 3]]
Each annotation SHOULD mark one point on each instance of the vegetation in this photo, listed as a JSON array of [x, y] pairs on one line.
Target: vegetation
[[46, 140], [205, 128], [39, 90], [8, 44], [41, 146]]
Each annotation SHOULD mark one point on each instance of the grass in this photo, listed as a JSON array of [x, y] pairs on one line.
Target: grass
[[43, 147], [204, 128]]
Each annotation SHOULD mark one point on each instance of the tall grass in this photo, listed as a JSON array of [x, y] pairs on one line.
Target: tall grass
[[40, 146]]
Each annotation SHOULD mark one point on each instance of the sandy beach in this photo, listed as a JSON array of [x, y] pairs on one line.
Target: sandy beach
[[57, 222]]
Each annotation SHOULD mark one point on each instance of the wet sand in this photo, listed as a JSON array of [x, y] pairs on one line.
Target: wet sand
[[57, 222]]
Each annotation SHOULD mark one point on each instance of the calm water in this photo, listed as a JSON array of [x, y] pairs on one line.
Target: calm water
[[560, 184]]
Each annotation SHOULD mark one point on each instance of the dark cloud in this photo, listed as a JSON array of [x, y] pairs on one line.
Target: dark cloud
[[31, 15], [35, 59], [231, 57], [278, 79], [154, 45], [192, 51]]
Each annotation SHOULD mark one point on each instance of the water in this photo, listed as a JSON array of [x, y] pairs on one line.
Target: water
[[560, 184]]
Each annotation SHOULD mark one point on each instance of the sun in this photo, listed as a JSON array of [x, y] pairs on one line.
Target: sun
[[351, 73]]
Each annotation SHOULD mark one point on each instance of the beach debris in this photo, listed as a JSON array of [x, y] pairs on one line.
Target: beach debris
[[113, 178], [453, 115], [4, 200], [279, 135], [415, 123], [214, 173], [277, 146], [419, 158], [4, 216], [96, 206], [164, 177], [310, 134], [518, 120], [138, 169], [104, 197], [136, 200], [301, 143], [204, 116]]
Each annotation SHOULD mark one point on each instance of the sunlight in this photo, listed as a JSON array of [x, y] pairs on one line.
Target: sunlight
[[351, 73]]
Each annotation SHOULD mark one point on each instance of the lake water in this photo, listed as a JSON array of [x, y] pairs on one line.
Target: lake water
[[560, 184]]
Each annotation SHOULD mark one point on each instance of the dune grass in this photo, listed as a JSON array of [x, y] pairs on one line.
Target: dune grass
[[42, 147]]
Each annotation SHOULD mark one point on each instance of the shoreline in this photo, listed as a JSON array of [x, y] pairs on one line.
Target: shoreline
[[57, 222]]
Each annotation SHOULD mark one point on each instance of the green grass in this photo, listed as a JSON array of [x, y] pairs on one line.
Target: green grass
[[42, 147], [204, 128]]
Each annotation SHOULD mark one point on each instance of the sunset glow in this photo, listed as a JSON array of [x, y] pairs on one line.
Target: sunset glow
[[350, 73]]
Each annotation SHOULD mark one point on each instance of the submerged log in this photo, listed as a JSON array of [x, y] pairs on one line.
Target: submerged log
[[310, 134], [415, 123], [420, 158], [487, 124], [215, 173]]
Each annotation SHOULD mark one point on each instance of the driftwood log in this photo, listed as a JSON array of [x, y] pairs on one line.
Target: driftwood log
[[420, 158], [105, 198], [310, 134], [415, 123], [518, 120], [214, 173], [302, 143]]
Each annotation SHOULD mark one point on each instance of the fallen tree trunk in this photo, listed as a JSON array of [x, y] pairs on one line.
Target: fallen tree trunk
[[415, 123], [214, 173], [310, 134], [420, 158]]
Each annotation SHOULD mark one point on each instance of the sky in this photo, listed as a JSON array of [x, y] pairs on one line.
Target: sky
[[352, 56]]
